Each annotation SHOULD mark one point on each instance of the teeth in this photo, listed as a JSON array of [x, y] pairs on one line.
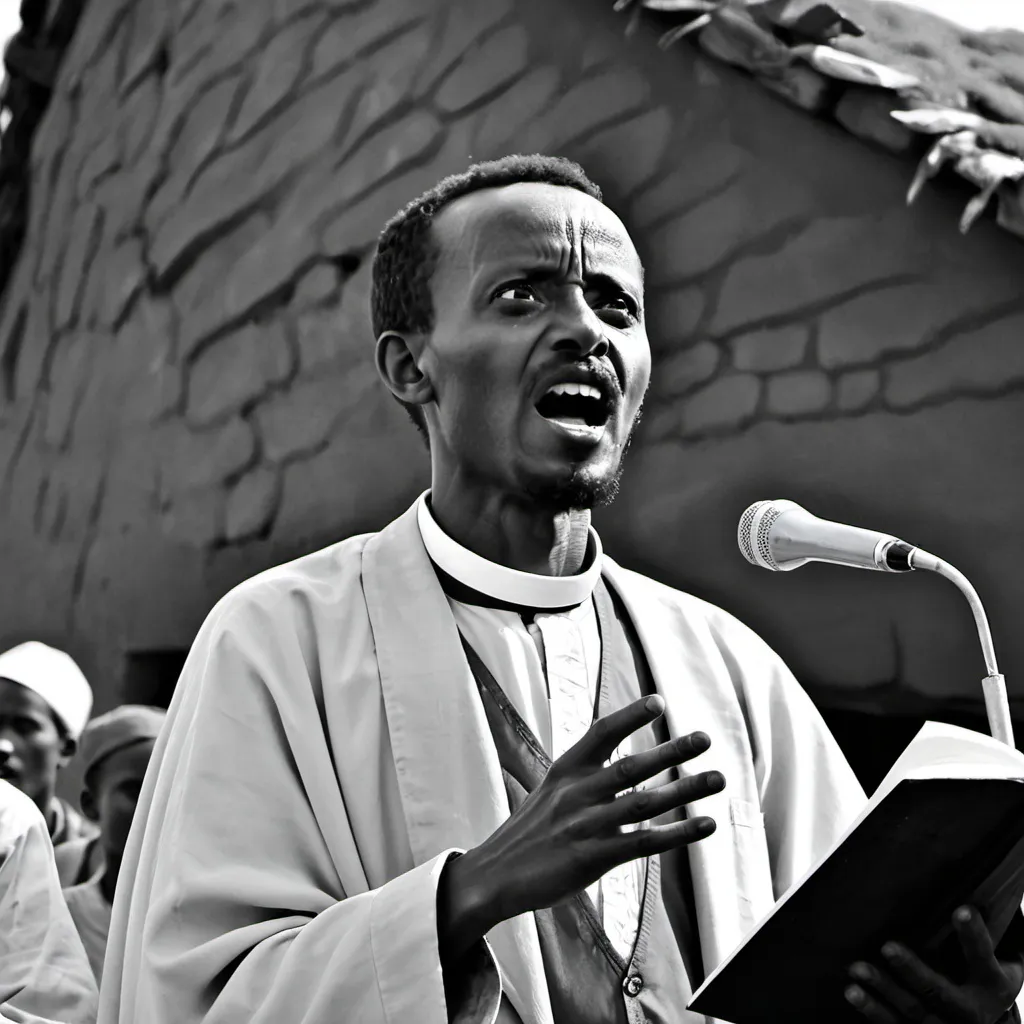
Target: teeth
[[586, 390]]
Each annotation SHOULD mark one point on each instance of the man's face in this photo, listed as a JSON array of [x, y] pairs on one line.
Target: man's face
[[539, 358], [32, 748], [114, 789]]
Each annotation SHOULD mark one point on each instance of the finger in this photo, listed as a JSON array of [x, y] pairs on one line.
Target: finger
[[601, 739], [657, 839], [650, 803], [862, 1000], [880, 984], [977, 946], [630, 771], [934, 990]]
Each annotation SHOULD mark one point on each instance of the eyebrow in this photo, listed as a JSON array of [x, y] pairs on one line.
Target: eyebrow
[[598, 279]]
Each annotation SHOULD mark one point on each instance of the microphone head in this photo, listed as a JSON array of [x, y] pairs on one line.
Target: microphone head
[[755, 527]]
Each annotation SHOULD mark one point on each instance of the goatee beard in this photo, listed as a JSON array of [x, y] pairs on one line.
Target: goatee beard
[[579, 491]]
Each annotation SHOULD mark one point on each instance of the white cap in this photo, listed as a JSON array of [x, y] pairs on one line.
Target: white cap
[[55, 677]]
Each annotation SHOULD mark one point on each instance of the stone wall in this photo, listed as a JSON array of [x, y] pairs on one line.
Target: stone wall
[[186, 387]]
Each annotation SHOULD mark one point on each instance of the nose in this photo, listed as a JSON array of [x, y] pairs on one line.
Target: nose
[[6, 749], [580, 332]]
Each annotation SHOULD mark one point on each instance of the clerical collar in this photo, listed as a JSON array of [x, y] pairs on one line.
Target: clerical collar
[[508, 586]]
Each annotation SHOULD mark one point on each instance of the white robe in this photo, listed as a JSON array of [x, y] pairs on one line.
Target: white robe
[[45, 977], [326, 749]]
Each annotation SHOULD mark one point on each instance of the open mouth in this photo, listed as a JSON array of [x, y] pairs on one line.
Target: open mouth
[[576, 405]]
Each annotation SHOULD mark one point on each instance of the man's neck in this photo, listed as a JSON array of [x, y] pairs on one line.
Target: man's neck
[[47, 803], [108, 880], [514, 533]]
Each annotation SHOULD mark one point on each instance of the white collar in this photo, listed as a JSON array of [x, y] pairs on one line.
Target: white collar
[[499, 581]]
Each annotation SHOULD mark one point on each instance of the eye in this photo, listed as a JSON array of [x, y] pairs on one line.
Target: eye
[[617, 309], [518, 291]]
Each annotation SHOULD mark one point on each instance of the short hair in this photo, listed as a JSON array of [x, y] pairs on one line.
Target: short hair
[[407, 254]]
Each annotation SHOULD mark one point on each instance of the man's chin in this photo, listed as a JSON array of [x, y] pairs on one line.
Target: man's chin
[[581, 489]]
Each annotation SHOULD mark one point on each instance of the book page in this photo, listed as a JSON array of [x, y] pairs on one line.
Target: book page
[[937, 751]]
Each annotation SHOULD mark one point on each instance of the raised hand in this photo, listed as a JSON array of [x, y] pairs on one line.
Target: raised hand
[[907, 989], [568, 833]]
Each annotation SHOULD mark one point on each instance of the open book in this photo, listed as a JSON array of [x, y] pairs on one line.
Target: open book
[[945, 828]]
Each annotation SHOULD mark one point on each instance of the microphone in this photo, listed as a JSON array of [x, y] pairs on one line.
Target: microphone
[[781, 535]]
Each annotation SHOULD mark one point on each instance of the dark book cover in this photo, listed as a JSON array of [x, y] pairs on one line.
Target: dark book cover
[[930, 846]]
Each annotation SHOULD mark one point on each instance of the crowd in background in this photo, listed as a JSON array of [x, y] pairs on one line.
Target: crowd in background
[[58, 865]]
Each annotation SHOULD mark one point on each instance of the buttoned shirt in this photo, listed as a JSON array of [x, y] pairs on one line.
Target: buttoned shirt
[[549, 667]]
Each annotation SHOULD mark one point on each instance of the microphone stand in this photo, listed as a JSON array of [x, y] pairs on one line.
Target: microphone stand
[[993, 685]]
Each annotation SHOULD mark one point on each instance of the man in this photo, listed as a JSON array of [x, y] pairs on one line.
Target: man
[[44, 704], [44, 975], [381, 753], [115, 752]]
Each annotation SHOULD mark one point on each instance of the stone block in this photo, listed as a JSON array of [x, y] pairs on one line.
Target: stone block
[[202, 126], [857, 389], [688, 246], [201, 459], [199, 294], [703, 171], [406, 142], [60, 210], [683, 371], [830, 259], [503, 120], [798, 393], [627, 155], [596, 102], [319, 334], [139, 119], [124, 276], [390, 75], [220, 38], [150, 26], [252, 504], [356, 35], [104, 158], [896, 319], [771, 349], [319, 285], [82, 239], [356, 225], [485, 70], [673, 316], [70, 367], [300, 421], [727, 403], [238, 179], [233, 372], [195, 518], [278, 70], [984, 361], [729, 221], [866, 113], [464, 25]]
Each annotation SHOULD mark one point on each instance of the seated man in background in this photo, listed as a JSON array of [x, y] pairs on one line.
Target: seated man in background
[[44, 704], [44, 974], [115, 751]]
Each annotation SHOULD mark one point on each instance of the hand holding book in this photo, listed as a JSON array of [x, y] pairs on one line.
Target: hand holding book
[[943, 831], [905, 988]]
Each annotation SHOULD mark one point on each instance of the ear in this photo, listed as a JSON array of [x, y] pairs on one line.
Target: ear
[[88, 805], [396, 359], [67, 750]]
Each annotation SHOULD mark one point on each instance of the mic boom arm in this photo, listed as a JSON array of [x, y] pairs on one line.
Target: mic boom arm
[[993, 685]]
